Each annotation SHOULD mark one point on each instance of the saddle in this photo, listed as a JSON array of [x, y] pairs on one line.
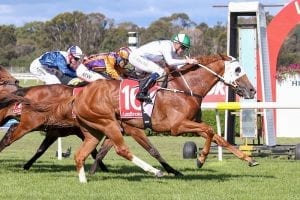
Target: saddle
[[146, 116]]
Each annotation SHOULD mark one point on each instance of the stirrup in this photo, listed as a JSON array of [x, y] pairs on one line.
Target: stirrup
[[143, 97]]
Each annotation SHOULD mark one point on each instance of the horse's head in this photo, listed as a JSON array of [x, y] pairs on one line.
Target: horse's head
[[235, 76], [7, 81]]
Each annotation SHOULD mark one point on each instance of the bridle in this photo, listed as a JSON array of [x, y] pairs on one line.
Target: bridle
[[8, 83], [226, 80]]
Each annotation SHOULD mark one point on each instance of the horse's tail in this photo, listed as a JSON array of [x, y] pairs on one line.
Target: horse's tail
[[10, 99]]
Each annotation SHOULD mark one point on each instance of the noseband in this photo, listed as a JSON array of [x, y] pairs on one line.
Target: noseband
[[8, 82]]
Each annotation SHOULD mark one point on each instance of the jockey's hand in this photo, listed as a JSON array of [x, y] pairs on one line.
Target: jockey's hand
[[191, 60], [55, 72], [58, 73], [75, 81]]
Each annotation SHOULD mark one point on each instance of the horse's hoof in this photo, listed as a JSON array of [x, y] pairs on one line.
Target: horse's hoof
[[178, 174], [199, 164], [25, 167], [103, 166], [253, 163], [104, 169], [159, 174]]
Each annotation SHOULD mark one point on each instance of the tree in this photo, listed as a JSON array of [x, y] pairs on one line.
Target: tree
[[8, 42], [96, 33]]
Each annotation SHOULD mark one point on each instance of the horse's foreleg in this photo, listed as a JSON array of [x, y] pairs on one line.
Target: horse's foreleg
[[241, 155], [205, 151], [187, 126], [47, 142], [94, 153], [15, 132], [104, 149], [82, 153]]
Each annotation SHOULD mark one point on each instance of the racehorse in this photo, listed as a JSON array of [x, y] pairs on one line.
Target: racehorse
[[55, 125], [58, 125], [97, 109], [9, 84]]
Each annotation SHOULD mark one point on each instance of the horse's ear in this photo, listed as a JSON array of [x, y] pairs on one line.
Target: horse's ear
[[221, 55], [224, 56]]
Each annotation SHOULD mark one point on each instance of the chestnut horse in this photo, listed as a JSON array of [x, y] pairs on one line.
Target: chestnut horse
[[55, 125], [97, 110], [8, 85]]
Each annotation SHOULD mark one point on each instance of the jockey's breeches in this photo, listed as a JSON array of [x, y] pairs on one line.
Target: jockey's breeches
[[145, 65], [40, 72]]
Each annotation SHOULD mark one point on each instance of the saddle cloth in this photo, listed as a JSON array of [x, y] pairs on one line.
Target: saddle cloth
[[130, 107]]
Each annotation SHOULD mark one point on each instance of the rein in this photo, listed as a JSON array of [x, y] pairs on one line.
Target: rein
[[190, 92], [221, 78], [6, 83]]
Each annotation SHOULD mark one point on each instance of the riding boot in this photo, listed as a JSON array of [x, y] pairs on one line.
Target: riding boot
[[143, 95]]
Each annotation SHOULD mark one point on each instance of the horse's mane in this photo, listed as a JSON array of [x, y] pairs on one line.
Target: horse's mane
[[202, 59], [207, 59]]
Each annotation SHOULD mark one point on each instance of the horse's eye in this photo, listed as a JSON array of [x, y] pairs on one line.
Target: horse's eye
[[238, 70]]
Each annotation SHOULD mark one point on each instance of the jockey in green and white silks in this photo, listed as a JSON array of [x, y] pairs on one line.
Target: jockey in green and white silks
[[146, 57]]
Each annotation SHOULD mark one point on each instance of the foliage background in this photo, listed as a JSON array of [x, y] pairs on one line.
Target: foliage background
[[95, 32]]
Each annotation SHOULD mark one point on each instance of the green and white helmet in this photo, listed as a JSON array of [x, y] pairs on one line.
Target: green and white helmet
[[183, 39]]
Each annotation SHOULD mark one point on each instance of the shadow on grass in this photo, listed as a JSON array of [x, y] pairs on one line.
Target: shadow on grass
[[39, 166], [133, 173], [136, 174], [130, 173]]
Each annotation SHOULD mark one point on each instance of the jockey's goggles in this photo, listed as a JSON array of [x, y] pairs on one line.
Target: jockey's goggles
[[183, 47], [76, 58]]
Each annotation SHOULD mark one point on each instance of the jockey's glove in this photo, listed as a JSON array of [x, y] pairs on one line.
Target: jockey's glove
[[75, 81]]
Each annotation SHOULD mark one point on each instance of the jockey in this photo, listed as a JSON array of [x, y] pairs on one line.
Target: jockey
[[57, 66], [146, 57], [106, 63], [63, 67]]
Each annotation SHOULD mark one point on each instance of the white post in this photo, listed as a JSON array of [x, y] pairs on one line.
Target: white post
[[219, 131], [59, 149]]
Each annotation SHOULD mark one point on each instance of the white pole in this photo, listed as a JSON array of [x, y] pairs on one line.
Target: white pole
[[219, 131], [249, 105], [59, 149]]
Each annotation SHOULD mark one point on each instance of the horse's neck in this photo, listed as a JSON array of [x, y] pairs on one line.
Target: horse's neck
[[199, 81]]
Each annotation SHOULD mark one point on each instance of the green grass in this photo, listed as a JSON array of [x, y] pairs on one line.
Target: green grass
[[49, 178]]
